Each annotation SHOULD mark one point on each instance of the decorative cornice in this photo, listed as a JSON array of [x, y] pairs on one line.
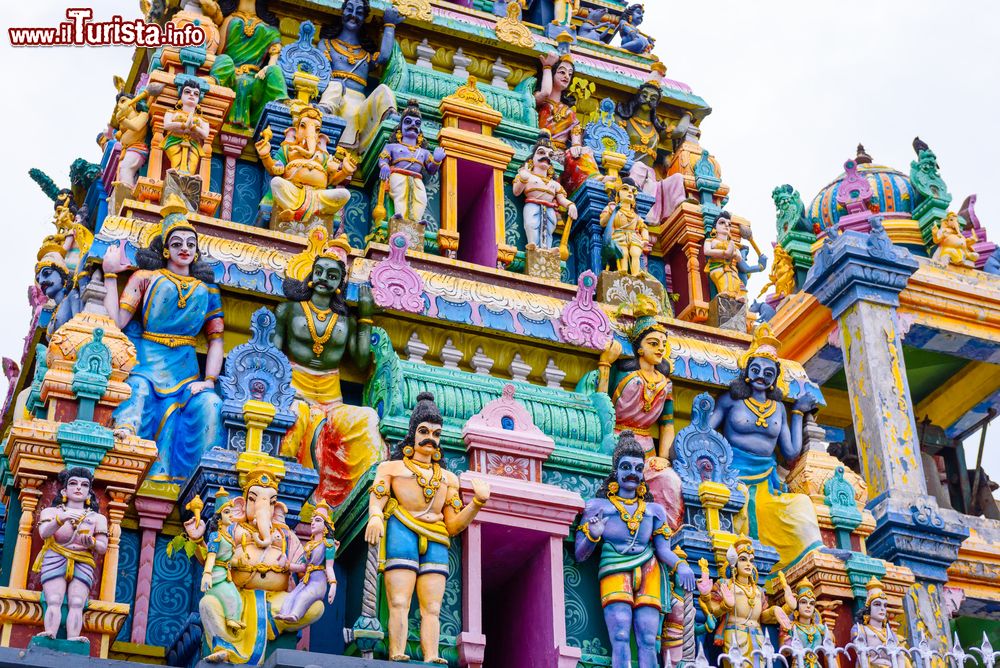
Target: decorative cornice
[[859, 267]]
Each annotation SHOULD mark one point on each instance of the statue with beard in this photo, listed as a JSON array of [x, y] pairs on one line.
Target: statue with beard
[[316, 332], [543, 195], [414, 510], [637, 563], [753, 419]]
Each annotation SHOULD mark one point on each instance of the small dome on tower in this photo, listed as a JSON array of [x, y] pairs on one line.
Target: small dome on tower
[[894, 195]]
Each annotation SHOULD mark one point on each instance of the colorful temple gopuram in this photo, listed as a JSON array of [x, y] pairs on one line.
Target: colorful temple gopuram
[[418, 330]]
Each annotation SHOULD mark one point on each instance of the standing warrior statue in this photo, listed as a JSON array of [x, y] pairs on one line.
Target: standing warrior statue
[[74, 532], [351, 57], [740, 602], [722, 257], [415, 509], [626, 237], [403, 163], [635, 556], [542, 195]]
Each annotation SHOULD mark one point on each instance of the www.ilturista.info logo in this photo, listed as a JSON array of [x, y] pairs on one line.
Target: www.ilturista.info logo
[[79, 30]]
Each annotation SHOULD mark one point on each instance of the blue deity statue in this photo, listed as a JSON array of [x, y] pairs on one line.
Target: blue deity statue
[[752, 417], [637, 564], [351, 57], [175, 298]]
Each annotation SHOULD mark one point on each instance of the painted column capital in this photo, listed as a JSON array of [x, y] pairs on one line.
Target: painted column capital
[[853, 266], [913, 531]]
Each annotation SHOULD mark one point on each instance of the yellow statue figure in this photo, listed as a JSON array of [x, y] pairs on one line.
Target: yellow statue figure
[[185, 130], [318, 333], [739, 602], [723, 257], [414, 510], [303, 172], [782, 276], [953, 247], [626, 237]]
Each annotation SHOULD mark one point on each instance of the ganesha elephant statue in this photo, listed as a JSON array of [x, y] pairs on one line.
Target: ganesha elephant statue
[[261, 551]]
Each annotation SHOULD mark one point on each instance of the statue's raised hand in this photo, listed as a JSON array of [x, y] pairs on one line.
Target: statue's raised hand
[[806, 403], [685, 576], [704, 582], [366, 303], [549, 59], [783, 621], [439, 154], [480, 490], [194, 528], [728, 597], [115, 259], [392, 17]]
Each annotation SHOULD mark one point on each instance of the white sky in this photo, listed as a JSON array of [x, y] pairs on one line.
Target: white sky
[[794, 87]]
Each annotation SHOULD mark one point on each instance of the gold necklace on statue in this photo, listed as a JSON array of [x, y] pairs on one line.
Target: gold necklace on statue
[[651, 388], [185, 285], [762, 409], [631, 520], [644, 135], [321, 313], [318, 341], [430, 484], [750, 591], [250, 22], [353, 53]]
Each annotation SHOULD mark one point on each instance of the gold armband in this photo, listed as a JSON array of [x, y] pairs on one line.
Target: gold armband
[[478, 503], [664, 531], [585, 528]]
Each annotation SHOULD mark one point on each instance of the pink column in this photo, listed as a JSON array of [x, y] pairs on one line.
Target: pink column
[[152, 512], [568, 657], [232, 147], [472, 641]]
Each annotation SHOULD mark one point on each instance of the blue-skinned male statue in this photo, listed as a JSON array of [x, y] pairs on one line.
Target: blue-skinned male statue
[[351, 57], [753, 419], [636, 560]]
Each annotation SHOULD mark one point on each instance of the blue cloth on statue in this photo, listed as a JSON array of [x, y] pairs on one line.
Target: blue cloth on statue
[[161, 407], [784, 520]]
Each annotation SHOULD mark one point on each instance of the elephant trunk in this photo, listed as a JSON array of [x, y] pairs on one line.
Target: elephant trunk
[[262, 519]]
